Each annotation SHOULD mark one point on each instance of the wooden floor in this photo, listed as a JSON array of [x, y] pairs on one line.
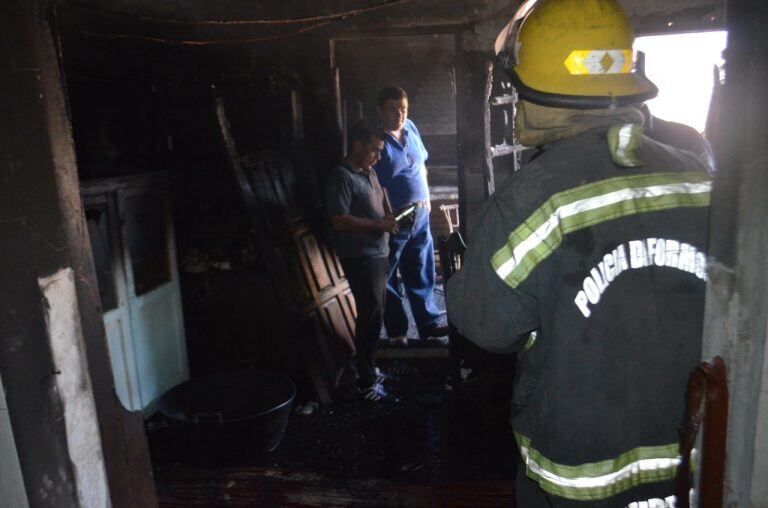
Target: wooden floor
[[274, 487], [429, 448]]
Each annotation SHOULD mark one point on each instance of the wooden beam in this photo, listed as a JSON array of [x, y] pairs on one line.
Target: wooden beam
[[41, 220], [276, 487]]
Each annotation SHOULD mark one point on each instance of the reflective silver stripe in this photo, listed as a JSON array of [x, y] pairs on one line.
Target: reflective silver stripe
[[625, 139], [540, 235], [667, 502], [606, 480]]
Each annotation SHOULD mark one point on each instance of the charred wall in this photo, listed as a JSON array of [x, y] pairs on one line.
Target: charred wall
[[142, 78], [135, 67]]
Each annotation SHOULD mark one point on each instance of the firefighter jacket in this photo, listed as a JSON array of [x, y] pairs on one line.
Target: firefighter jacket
[[608, 265]]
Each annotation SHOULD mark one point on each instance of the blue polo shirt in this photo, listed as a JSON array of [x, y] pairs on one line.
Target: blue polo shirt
[[401, 169]]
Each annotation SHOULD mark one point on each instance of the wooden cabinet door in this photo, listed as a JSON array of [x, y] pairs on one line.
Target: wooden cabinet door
[[328, 297], [313, 271], [281, 202]]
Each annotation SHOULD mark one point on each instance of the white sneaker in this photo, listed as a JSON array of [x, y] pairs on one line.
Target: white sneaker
[[380, 376], [306, 408], [375, 393], [399, 341]]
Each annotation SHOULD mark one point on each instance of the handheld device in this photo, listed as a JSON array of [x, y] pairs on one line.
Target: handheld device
[[407, 211]]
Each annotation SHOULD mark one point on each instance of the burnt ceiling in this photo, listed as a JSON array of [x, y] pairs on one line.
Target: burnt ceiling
[[194, 22], [134, 38]]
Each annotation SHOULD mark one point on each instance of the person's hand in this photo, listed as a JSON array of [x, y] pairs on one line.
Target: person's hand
[[388, 224], [429, 205]]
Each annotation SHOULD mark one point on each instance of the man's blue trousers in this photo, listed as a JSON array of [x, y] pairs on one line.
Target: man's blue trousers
[[412, 251]]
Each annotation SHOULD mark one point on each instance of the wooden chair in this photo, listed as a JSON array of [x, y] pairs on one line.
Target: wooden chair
[[451, 212], [706, 401]]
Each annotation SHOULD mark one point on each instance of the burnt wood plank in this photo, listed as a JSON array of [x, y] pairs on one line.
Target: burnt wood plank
[[276, 487]]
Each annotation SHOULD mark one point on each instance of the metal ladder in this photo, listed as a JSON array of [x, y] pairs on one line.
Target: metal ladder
[[500, 96]]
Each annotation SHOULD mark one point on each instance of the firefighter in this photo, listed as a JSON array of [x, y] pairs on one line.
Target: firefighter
[[597, 246]]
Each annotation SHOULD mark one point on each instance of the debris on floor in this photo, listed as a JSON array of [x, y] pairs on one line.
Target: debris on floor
[[351, 453]]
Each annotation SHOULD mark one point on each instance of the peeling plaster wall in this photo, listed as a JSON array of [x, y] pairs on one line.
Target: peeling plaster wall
[[737, 293], [735, 324], [42, 228], [73, 385]]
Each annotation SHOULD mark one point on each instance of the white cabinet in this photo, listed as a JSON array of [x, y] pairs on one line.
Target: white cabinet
[[131, 232]]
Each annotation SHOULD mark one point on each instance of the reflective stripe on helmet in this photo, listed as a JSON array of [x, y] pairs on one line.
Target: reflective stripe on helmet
[[599, 61]]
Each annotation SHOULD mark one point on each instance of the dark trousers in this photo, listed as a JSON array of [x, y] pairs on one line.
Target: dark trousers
[[367, 279], [412, 251]]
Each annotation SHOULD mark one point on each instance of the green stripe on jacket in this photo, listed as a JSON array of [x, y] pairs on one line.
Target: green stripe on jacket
[[575, 209]]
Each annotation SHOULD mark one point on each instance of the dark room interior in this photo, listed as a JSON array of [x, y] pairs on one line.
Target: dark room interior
[[169, 158]]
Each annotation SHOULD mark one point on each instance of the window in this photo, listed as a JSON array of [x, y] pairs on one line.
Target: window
[[98, 231], [145, 229], [681, 65]]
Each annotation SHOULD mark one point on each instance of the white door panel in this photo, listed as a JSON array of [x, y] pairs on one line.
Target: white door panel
[[156, 334], [123, 360], [157, 325], [130, 225]]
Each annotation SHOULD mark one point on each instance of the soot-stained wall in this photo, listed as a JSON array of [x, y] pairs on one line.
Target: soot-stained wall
[[142, 77]]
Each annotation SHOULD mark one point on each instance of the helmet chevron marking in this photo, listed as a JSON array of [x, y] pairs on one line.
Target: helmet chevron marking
[[599, 61]]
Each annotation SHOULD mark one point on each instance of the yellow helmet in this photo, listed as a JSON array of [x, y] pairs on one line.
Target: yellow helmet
[[574, 54]]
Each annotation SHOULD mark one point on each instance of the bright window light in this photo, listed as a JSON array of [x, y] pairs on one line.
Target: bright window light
[[681, 66]]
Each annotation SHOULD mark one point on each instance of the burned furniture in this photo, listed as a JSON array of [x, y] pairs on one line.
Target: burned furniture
[[282, 210], [706, 409]]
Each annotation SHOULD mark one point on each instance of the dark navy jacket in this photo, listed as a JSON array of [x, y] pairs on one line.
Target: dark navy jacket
[[608, 263]]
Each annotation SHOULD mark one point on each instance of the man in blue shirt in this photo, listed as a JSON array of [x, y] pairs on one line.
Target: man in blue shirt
[[403, 175]]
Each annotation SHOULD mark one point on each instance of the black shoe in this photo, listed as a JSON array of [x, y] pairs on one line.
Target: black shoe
[[435, 332], [438, 340], [399, 341]]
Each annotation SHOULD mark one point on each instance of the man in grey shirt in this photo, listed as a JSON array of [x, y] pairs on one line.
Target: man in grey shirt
[[361, 225]]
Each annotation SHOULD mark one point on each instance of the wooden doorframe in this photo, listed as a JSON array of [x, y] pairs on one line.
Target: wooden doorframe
[[42, 217], [454, 30]]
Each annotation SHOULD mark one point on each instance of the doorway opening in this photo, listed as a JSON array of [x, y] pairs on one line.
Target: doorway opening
[[682, 66], [424, 66]]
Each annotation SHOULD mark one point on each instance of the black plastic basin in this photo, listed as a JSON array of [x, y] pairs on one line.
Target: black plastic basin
[[242, 410]]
